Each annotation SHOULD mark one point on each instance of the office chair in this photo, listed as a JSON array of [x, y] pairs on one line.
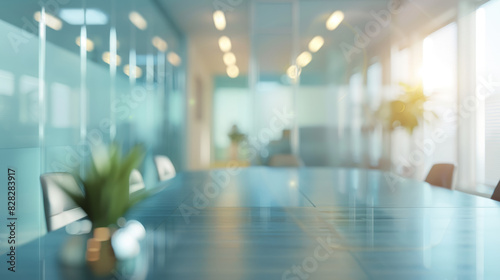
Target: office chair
[[165, 168], [136, 182], [496, 193], [441, 175], [284, 160], [60, 209]]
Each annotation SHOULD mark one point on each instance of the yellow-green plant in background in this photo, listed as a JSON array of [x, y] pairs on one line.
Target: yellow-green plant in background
[[407, 111], [235, 135], [106, 185]]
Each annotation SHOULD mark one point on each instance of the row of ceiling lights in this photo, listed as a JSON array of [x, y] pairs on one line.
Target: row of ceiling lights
[[225, 45], [304, 58], [96, 17]]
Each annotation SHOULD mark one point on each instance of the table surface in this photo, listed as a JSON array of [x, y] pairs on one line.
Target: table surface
[[285, 223]]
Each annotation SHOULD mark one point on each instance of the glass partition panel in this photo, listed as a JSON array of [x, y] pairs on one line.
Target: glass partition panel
[[77, 74], [20, 110]]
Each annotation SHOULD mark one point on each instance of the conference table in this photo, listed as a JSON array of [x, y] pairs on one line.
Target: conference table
[[289, 223]]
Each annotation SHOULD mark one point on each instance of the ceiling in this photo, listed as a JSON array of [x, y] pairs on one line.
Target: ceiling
[[272, 31], [267, 28]]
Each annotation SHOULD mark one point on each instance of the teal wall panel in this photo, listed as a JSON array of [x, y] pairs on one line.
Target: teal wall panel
[[30, 220]]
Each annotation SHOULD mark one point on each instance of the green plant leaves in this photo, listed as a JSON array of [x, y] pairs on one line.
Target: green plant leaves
[[106, 185]]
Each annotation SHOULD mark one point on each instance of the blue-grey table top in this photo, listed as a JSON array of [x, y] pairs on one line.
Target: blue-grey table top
[[285, 223]]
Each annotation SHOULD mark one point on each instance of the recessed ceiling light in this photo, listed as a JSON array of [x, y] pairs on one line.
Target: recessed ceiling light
[[316, 44], [224, 44], [174, 59], [229, 58], [334, 20], [219, 20], [77, 16], [304, 58], [138, 71], [160, 44], [106, 57], [138, 20], [233, 71], [89, 45], [50, 20], [293, 72]]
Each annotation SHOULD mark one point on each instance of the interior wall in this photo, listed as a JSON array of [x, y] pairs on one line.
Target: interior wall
[[199, 110]]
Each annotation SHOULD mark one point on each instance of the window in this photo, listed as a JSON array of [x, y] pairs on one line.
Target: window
[[374, 84], [232, 106], [401, 66], [488, 113], [374, 87], [356, 90], [439, 75], [401, 73]]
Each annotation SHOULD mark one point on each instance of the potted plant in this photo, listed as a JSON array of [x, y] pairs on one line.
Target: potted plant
[[106, 199], [236, 138], [407, 111]]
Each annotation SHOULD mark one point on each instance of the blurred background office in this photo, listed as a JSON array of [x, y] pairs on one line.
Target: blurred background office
[[394, 85]]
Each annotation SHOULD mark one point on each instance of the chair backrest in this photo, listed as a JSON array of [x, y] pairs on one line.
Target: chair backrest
[[284, 160], [60, 209], [496, 193], [136, 182], [165, 168], [441, 175]]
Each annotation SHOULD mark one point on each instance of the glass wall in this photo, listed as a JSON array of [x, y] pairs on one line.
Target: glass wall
[[77, 74], [340, 79], [337, 80], [20, 111]]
